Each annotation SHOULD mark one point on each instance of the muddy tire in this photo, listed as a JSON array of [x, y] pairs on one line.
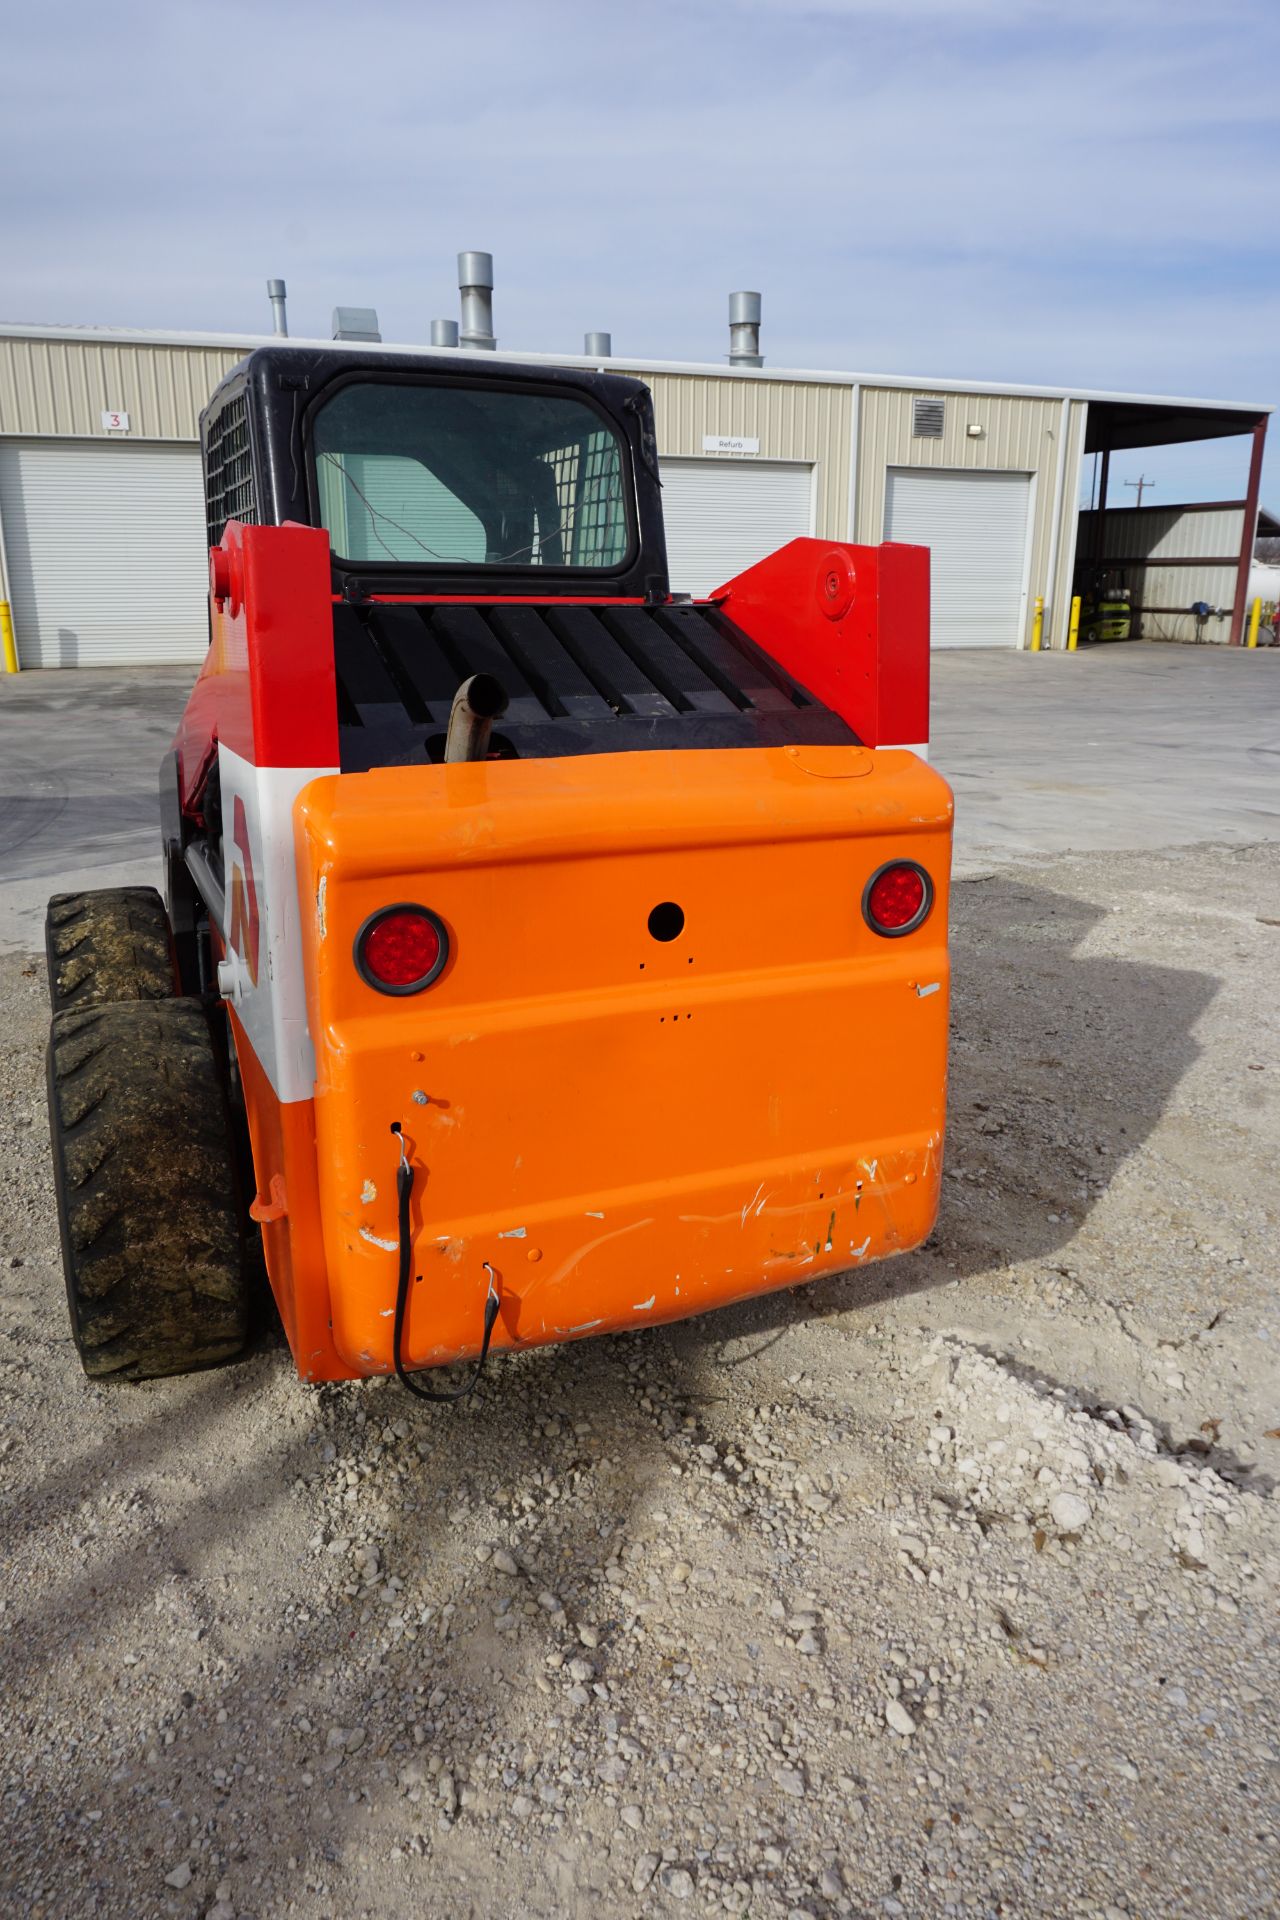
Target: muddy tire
[[107, 947], [146, 1187]]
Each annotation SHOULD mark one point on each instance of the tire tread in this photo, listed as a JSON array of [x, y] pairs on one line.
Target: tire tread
[[146, 1184], [108, 946]]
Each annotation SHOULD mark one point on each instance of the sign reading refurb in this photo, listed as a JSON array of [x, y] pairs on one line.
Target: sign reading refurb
[[728, 443]]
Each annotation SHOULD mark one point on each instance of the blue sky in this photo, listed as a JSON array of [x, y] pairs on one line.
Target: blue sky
[[1076, 193]]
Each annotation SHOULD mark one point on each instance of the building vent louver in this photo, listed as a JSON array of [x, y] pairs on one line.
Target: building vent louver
[[928, 418], [228, 468]]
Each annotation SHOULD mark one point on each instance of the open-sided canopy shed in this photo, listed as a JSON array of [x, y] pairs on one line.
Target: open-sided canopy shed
[[1113, 424]]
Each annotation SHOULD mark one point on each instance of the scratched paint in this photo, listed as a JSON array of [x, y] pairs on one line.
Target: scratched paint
[[775, 1212], [567, 1266], [934, 986], [321, 891], [787, 1210]]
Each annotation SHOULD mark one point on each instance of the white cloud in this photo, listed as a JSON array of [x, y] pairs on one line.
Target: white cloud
[[1037, 191]]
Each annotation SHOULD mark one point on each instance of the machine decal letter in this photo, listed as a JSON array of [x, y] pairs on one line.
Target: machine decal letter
[[244, 929]]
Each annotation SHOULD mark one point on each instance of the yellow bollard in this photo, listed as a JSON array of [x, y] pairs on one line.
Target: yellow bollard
[[1073, 632], [8, 646], [1255, 617], [1037, 625]]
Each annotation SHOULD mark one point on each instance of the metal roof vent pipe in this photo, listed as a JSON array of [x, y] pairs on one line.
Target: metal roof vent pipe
[[444, 333], [744, 330], [598, 346], [275, 294], [475, 284], [355, 323]]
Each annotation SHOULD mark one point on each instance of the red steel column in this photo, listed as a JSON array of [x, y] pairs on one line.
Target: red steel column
[[1249, 532]]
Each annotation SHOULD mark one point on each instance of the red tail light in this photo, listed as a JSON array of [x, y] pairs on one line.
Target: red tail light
[[897, 898], [401, 949]]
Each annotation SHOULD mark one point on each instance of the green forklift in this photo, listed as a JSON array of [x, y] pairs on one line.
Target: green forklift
[[1106, 607]]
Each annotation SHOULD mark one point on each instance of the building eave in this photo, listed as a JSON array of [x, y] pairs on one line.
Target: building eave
[[243, 343]]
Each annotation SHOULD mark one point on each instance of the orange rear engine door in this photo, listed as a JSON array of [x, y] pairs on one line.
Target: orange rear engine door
[[626, 1128]]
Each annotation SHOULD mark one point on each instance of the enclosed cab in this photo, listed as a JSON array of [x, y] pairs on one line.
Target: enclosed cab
[[582, 947]]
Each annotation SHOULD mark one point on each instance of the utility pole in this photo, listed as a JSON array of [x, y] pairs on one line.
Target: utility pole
[[1142, 484]]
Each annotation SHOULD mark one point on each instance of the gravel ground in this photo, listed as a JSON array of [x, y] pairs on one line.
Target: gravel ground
[[946, 1588]]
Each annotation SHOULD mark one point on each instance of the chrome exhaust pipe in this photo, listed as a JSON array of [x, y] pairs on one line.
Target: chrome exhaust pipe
[[475, 285], [478, 702], [744, 330], [276, 295]]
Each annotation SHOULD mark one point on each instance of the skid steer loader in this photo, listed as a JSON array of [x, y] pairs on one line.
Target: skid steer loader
[[569, 954]]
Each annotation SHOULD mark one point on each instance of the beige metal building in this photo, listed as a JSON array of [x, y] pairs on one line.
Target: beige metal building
[[101, 522]]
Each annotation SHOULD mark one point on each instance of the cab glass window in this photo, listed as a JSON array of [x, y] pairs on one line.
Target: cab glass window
[[466, 476]]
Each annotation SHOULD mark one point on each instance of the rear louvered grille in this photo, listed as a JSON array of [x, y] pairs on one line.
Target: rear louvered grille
[[228, 469], [579, 679]]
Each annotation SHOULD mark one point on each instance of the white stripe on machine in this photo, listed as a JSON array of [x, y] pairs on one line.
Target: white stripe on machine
[[265, 979]]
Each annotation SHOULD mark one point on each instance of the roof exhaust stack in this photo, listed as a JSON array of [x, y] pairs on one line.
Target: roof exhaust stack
[[355, 323], [598, 346], [744, 330], [275, 294], [475, 284], [444, 333]]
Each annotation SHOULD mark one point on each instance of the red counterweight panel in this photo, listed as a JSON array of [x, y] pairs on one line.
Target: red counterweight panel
[[851, 624], [266, 689]]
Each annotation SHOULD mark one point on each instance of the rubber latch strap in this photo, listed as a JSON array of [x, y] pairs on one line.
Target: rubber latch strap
[[404, 1189]]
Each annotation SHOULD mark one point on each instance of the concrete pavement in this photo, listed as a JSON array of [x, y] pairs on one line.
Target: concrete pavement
[[1125, 746], [1118, 747]]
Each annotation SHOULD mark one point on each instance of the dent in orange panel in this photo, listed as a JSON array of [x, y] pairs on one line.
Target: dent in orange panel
[[283, 1136], [637, 1262]]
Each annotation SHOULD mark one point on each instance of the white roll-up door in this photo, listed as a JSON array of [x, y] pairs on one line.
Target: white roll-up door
[[975, 526], [108, 564], [724, 515]]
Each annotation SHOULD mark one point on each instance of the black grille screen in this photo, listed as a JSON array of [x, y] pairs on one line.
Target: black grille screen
[[579, 679], [229, 469]]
